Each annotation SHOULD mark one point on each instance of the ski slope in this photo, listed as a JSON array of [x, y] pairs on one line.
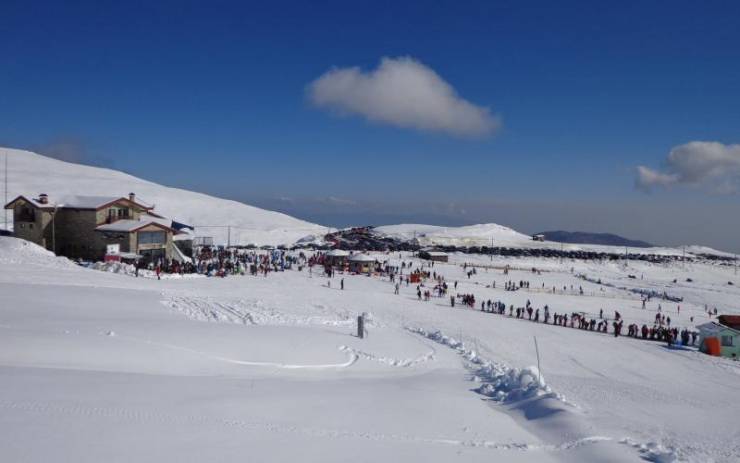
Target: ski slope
[[31, 174], [99, 366]]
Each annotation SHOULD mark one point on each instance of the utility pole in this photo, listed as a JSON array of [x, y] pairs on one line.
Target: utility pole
[[539, 370], [491, 250], [5, 211], [228, 243]]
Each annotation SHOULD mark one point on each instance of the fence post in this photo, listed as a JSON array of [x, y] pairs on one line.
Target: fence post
[[360, 326], [537, 349]]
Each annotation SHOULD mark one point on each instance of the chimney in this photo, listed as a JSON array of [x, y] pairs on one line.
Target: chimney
[[132, 197], [43, 198]]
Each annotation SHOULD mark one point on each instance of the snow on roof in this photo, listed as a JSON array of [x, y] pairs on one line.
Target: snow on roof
[[84, 202], [122, 225], [127, 225], [79, 201], [713, 328], [361, 258], [337, 253], [436, 253]]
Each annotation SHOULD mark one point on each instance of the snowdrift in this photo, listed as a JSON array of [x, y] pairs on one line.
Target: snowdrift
[[15, 251]]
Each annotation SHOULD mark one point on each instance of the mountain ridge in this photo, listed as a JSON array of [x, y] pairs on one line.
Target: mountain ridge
[[604, 238]]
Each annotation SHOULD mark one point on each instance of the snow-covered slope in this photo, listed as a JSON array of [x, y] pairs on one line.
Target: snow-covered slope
[[96, 366], [30, 174], [472, 235], [500, 236]]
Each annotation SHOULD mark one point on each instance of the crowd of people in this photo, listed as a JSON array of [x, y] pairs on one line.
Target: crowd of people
[[660, 331], [221, 262]]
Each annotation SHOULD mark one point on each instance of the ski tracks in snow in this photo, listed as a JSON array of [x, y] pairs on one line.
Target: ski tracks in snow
[[252, 312], [245, 425], [287, 366], [394, 362]]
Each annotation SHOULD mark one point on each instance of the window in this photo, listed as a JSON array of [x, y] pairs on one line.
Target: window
[[727, 341], [27, 214], [152, 237]]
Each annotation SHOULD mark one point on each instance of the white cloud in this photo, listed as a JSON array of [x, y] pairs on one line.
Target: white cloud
[[710, 165], [648, 178], [402, 92]]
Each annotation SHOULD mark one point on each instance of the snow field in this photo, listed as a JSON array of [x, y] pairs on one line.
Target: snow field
[[220, 368]]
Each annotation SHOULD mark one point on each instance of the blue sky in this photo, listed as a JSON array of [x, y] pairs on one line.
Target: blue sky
[[214, 96]]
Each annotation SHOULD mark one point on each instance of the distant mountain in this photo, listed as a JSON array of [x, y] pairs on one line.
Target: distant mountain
[[608, 239]]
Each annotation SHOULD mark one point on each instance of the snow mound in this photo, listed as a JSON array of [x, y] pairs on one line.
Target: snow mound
[[128, 269], [15, 251], [652, 451], [115, 267], [498, 381], [210, 215]]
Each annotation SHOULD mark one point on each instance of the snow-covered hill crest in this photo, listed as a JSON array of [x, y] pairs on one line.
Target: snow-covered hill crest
[[31, 174], [491, 234]]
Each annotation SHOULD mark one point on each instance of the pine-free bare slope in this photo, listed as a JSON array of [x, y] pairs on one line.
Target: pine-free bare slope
[[31, 174]]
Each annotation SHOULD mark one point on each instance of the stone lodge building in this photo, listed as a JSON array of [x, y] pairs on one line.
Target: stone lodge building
[[82, 227]]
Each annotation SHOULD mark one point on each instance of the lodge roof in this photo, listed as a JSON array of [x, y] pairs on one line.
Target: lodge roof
[[128, 226], [77, 202]]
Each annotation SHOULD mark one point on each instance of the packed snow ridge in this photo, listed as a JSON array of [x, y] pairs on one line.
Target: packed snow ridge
[[498, 381]]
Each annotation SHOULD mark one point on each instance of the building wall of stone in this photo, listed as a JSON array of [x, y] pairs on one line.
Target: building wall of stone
[[76, 236], [81, 240], [134, 213], [71, 232], [38, 230]]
